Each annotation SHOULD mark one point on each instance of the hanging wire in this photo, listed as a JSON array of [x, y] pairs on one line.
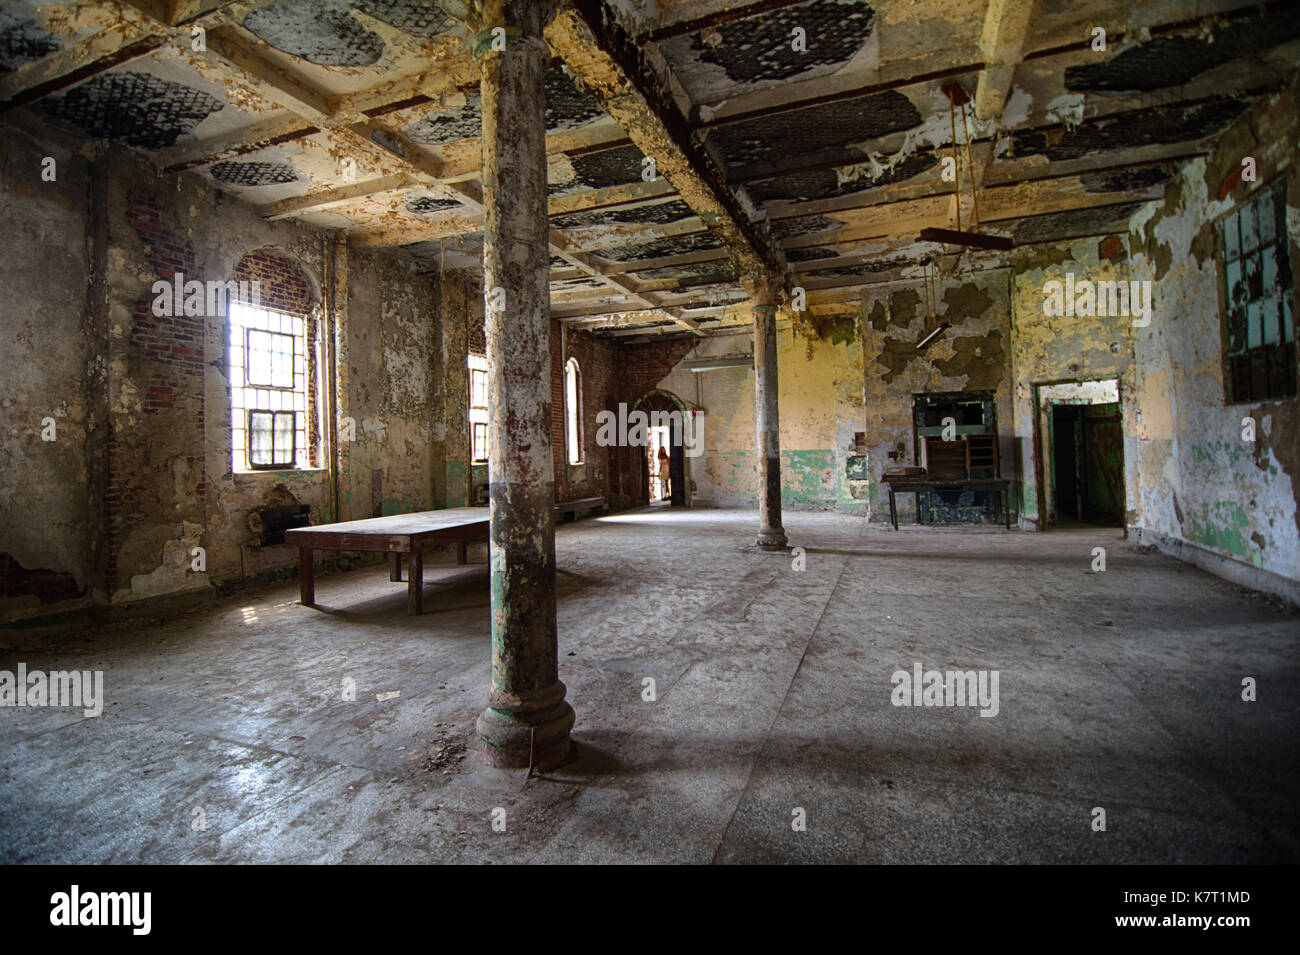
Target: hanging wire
[[956, 160], [970, 169]]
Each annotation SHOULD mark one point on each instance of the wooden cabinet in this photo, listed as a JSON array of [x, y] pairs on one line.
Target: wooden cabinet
[[963, 458]]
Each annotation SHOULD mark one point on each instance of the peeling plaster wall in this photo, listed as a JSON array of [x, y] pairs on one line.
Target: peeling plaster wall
[[397, 462], [1198, 482], [45, 556], [1048, 348], [171, 484], [973, 355], [820, 376], [461, 307], [140, 473]]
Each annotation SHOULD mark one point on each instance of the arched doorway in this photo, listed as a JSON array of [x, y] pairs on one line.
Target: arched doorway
[[669, 415]]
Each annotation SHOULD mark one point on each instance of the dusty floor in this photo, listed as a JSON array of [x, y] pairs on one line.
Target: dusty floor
[[1119, 690]]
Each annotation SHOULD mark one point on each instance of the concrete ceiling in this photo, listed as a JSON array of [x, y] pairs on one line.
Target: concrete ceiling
[[818, 166]]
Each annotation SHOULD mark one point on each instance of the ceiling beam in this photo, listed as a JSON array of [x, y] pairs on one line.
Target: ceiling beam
[[1006, 24], [72, 65], [802, 94], [713, 20], [266, 78], [1016, 201], [137, 32], [202, 152], [613, 67], [339, 195]]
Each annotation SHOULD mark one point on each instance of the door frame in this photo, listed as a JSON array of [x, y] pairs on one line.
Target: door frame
[[1048, 394], [660, 397]]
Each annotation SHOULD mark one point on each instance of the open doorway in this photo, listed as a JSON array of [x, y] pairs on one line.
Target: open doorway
[[1082, 454], [665, 433], [659, 465]]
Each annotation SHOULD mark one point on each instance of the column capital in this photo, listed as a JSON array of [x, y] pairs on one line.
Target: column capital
[[765, 288]]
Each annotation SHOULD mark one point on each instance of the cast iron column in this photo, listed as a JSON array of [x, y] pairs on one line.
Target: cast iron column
[[526, 716], [771, 535]]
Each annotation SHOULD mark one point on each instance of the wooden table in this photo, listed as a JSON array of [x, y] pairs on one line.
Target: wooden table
[[927, 486], [395, 535], [401, 534]]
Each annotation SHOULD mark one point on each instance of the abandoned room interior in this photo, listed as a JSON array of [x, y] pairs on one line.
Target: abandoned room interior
[[649, 431]]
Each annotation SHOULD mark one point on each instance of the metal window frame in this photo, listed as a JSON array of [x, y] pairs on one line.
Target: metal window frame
[[473, 431], [276, 464], [1241, 363], [293, 355]]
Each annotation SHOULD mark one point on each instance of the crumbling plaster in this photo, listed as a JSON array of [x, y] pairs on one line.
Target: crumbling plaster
[[1198, 481], [152, 413]]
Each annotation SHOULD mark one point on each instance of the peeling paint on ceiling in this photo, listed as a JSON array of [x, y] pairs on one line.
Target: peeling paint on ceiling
[[1173, 60], [789, 228], [568, 106], [762, 47], [659, 214], [837, 126], [428, 205], [22, 41], [448, 126], [323, 32], [421, 18], [133, 108], [829, 184], [1171, 124], [660, 248], [254, 173], [604, 167], [1075, 224], [1122, 180]]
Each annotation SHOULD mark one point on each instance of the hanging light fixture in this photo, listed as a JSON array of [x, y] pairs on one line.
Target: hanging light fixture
[[932, 331], [957, 96]]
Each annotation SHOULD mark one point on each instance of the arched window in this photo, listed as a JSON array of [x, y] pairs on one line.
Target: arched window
[[273, 360], [573, 410]]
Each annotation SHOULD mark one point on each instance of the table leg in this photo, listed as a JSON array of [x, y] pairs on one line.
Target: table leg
[[395, 566], [1006, 508], [893, 510], [306, 578], [415, 582], [462, 552]]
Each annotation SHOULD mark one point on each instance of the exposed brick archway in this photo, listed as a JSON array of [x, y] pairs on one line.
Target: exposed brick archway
[[658, 400]]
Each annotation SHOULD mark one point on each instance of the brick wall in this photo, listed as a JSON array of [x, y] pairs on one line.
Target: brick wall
[[282, 285], [636, 370], [596, 363], [611, 374], [639, 368], [165, 361]]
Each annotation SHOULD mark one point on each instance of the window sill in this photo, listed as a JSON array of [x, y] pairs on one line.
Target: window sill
[[278, 472]]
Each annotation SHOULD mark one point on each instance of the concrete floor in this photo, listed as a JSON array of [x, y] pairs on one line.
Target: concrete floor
[[1118, 689]]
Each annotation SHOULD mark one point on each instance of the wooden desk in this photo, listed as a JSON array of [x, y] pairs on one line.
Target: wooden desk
[[927, 486]]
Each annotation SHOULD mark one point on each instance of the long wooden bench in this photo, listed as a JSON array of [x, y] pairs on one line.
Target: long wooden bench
[[572, 508]]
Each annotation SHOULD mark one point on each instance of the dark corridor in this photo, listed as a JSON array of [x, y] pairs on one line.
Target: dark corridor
[[1088, 464]]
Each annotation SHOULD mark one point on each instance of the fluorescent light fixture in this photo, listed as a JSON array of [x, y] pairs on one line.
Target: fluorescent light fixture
[[721, 361], [925, 342]]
